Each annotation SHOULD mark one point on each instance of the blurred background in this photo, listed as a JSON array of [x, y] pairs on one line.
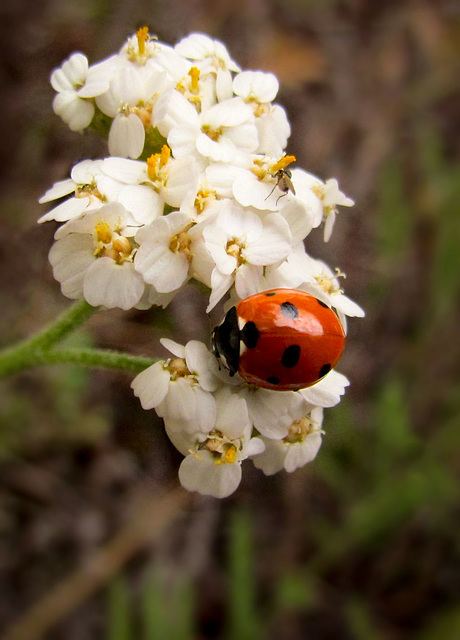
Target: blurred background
[[96, 542]]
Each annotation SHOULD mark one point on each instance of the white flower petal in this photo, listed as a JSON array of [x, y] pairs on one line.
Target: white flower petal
[[143, 202], [125, 170], [75, 111], [220, 284], [254, 447], [112, 285], [151, 385], [67, 210], [256, 85], [72, 72], [248, 280], [126, 136], [174, 347], [58, 190], [300, 454], [273, 245], [159, 266], [326, 392], [271, 460], [232, 414], [270, 411], [180, 403], [347, 306], [200, 473], [70, 259], [197, 358], [205, 415]]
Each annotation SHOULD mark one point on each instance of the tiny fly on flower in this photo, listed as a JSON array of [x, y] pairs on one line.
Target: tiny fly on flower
[[283, 177]]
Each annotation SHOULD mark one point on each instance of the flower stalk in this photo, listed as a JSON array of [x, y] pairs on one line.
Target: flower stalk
[[41, 348]]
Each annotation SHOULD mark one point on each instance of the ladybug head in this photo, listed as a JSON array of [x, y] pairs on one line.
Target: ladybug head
[[226, 341]]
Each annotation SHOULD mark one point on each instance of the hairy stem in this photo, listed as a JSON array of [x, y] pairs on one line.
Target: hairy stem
[[40, 349]]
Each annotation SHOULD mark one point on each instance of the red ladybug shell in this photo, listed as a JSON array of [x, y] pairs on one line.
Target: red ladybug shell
[[281, 339]]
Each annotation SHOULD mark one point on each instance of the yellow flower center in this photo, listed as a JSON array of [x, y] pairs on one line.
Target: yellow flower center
[[300, 429], [224, 450], [259, 108], [318, 190], [177, 368], [235, 249], [214, 134], [88, 191], [180, 243], [110, 244], [329, 284], [203, 196]]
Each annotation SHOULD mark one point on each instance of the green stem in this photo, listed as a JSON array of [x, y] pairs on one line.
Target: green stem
[[38, 350], [65, 324], [97, 359]]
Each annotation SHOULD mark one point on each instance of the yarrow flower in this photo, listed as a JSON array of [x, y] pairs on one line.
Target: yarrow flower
[[196, 185]]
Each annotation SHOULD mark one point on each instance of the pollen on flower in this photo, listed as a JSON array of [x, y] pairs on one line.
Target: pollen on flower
[[156, 162], [164, 155], [142, 35], [282, 163], [141, 47], [194, 74], [230, 454], [103, 232]]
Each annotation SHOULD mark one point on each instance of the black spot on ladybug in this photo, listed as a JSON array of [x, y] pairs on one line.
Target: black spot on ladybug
[[324, 370], [289, 310], [273, 380], [291, 356], [323, 304], [270, 293], [250, 334]]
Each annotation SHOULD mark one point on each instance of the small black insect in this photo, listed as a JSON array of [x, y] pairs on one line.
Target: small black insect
[[283, 182]]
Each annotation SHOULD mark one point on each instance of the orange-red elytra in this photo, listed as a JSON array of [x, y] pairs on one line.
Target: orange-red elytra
[[282, 339]]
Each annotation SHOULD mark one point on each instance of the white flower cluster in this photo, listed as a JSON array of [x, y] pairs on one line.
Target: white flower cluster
[[217, 421], [196, 185]]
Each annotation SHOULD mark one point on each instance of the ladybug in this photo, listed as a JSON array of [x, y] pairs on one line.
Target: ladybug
[[282, 339]]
